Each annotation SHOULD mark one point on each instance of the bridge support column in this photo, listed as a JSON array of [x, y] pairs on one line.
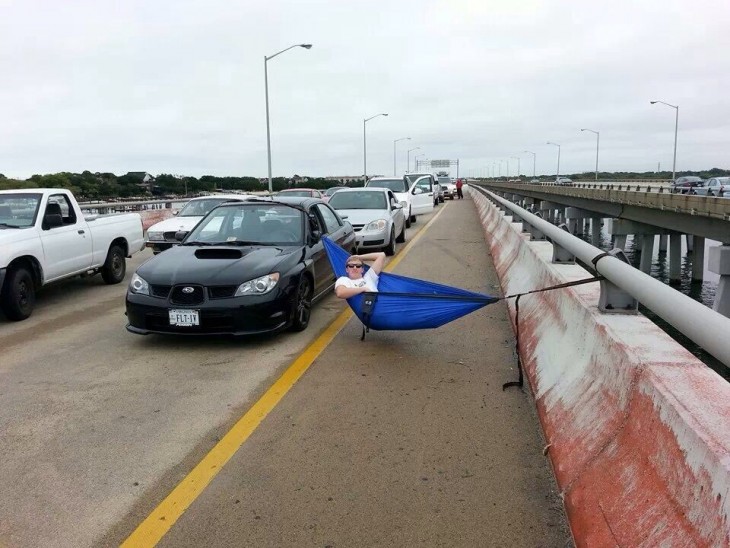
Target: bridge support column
[[690, 243], [548, 210], [596, 231], [719, 263], [647, 251], [698, 259], [575, 217], [675, 256], [620, 241], [663, 242]]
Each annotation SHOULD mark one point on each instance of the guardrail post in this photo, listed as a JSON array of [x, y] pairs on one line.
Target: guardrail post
[[536, 235], [719, 263], [613, 299], [560, 254]]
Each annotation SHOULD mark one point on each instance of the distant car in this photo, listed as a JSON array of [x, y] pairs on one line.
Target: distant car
[[716, 186], [683, 185], [563, 181], [246, 268], [303, 193], [534, 180], [330, 191], [375, 214], [448, 186], [161, 236]]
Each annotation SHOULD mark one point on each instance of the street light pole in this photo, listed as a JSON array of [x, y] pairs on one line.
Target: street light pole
[[557, 175], [518, 165], [266, 87], [408, 161], [365, 146], [598, 139], [534, 156], [676, 127], [394, 142], [415, 161]]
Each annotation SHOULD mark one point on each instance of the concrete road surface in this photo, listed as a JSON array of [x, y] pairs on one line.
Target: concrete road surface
[[404, 439]]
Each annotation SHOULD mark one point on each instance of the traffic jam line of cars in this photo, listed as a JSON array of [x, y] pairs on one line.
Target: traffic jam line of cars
[[254, 265]]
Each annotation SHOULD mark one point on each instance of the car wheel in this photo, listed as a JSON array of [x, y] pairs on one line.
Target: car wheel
[[390, 250], [18, 294], [441, 200], [402, 236], [408, 219], [302, 304], [413, 218], [115, 266]]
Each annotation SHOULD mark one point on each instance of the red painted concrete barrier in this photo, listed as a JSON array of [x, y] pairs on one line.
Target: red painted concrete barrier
[[638, 429]]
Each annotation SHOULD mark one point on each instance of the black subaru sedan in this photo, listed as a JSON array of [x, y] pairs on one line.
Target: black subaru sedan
[[246, 268]]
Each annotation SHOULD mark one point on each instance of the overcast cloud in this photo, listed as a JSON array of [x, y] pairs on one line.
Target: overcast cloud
[[178, 87]]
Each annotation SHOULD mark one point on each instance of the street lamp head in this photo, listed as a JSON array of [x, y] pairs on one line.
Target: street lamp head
[[653, 102], [582, 129], [383, 113], [305, 46]]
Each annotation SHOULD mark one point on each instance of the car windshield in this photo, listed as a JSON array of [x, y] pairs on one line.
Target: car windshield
[[396, 185], [331, 191], [18, 210], [444, 182], [250, 224], [198, 208], [358, 200], [297, 193]]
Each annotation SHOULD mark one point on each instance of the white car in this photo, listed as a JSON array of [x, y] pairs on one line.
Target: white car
[[448, 186], [563, 181], [161, 236], [376, 215], [413, 204], [434, 188]]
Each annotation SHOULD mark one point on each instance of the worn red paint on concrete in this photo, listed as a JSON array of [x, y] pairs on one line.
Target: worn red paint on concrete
[[637, 426], [152, 216]]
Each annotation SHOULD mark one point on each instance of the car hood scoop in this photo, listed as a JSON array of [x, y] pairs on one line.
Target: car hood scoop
[[218, 253]]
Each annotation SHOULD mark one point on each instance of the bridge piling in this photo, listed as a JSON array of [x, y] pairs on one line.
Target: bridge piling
[[675, 257], [647, 251], [698, 260]]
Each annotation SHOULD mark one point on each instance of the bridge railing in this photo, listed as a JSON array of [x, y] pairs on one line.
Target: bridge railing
[[702, 325]]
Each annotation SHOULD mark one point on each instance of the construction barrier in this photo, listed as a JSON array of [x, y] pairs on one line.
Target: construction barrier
[[637, 428]]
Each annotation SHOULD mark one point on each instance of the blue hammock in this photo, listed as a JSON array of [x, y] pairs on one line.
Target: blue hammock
[[406, 303]]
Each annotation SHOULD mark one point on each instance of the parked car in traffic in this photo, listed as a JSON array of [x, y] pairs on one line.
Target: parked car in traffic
[[434, 187], [161, 236], [246, 268], [330, 191], [376, 215], [414, 203], [45, 237], [304, 193], [448, 187], [683, 185], [715, 186]]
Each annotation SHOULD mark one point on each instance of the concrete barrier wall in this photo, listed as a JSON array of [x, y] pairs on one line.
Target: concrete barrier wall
[[638, 428]]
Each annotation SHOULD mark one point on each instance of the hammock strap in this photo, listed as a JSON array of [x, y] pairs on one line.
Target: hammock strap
[[520, 379]]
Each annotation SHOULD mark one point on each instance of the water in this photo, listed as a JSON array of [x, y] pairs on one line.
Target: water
[[702, 292]]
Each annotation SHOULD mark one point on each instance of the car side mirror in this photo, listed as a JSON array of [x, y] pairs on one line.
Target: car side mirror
[[315, 237], [175, 212], [180, 235], [418, 190], [397, 206]]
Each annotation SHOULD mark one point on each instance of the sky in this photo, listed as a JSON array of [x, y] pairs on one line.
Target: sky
[[178, 86]]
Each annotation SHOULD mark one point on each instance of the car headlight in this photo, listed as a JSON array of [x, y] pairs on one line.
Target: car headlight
[[380, 224], [138, 285], [155, 236], [259, 286]]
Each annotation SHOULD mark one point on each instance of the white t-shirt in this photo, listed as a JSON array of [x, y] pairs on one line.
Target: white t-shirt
[[369, 280]]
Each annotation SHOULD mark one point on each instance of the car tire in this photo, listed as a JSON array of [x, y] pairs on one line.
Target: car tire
[[408, 219], [441, 200], [402, 236], [115, 266], [413, 218], [390, 248], [18, 294], [302, 304]]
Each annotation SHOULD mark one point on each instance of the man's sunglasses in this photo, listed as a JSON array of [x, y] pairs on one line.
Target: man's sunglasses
[[354, 265]]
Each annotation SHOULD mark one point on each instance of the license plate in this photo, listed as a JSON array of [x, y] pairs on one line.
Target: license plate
[[184, 318]]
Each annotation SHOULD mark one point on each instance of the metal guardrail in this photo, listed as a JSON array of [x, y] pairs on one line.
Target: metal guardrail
[[702, 325]]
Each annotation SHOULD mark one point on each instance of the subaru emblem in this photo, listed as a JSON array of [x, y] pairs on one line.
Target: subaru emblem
[[188, 289]]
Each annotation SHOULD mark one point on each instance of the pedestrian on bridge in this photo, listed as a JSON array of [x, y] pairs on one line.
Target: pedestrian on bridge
[[459, 193], [356, 282]]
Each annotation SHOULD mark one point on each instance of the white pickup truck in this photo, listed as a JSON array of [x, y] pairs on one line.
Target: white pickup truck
[[44, 237]]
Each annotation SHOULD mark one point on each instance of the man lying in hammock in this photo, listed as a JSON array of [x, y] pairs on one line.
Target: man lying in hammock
[[355, 282]]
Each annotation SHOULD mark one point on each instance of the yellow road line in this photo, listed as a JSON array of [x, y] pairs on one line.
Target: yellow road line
[[162, 518]]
